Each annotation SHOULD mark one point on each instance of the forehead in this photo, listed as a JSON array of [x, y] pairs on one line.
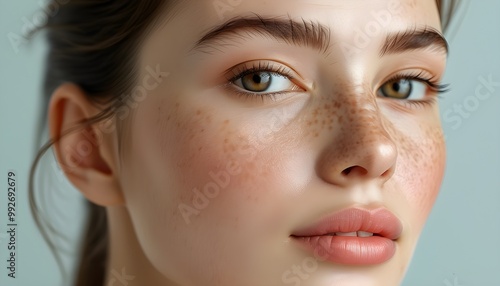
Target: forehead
[[188, 21], [209, 11]]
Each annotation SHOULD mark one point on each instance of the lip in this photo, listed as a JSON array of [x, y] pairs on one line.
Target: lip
[[353, 250]]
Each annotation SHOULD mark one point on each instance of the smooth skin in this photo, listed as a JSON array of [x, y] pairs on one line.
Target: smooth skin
[[267, 166]]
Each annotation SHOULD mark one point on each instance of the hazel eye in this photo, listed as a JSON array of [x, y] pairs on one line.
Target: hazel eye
[[263, 81], [257, 82], [404, 88]]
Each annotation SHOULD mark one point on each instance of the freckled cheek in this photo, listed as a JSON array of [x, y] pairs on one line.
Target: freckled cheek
[[236, 168], [421, 172], [211, 158]]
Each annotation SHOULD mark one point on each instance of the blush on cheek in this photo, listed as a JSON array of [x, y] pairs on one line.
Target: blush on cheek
[[206, 156], [423, 163]]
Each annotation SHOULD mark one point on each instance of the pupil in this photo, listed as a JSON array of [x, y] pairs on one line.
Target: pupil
[[257, 78], [396, 86], [257, 82]]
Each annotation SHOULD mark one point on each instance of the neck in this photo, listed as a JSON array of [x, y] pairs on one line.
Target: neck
[[127, 264]]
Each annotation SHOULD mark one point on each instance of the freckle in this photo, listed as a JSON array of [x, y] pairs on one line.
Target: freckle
[[226, 121], [176, 104], [202, 129], [316, 134], [315, 121], [330, 128], [200, 148], [226, 141], [331, 120], [309, 123], [208, 119]]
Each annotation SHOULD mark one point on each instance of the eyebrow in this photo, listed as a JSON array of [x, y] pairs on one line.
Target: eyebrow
[[299, 33], [414, 39], [314, 35]]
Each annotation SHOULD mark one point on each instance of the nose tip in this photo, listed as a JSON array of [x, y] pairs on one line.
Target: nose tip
[[373, 166], [347, 162]]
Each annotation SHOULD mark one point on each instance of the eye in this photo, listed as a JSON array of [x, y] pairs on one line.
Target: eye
[[256, 82], [264, 82], [262, 79], [404, 88]]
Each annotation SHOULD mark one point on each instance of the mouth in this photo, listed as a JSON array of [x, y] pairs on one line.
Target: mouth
[[353, 233], [353, 236]]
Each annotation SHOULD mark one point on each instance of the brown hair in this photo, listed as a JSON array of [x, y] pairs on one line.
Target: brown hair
[[93, 44]]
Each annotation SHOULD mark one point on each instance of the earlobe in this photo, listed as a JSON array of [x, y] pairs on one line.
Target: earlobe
[[85, 155]]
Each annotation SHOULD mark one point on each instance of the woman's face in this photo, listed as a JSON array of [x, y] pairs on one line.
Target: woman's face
[[261, 129]]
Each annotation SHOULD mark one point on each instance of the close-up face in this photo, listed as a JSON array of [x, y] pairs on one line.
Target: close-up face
[[253, 134]]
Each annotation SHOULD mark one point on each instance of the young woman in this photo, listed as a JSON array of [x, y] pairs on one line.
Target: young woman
[[248, 142]]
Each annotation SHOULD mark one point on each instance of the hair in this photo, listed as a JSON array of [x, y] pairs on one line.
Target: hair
[[93, 44]]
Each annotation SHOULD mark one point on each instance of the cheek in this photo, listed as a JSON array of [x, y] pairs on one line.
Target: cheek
[[188, 174], [228, 175], [232, 157], [420, 168], [231, 163]]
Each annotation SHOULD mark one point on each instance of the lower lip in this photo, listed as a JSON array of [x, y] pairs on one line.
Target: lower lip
[[350, 250]]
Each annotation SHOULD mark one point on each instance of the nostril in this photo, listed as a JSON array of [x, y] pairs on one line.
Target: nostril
[[387, 173], [359, 170], [347, 171]]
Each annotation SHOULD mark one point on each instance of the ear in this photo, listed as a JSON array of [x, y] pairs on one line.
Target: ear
[[84, 155]]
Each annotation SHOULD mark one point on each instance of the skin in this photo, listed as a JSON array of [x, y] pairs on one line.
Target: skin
[[283, 160]]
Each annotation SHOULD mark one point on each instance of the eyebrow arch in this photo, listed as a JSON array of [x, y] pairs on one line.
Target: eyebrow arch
[[300, 33], [413, 39]]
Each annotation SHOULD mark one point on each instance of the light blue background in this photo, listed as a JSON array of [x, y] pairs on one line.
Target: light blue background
[[460, 244]]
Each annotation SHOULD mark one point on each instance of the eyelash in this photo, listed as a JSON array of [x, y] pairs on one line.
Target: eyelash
[[241, 71]]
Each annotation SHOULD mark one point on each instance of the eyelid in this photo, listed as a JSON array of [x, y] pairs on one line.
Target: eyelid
[[271, 66]]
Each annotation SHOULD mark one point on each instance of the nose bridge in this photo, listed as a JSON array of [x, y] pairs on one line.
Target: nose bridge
[[363, 120]]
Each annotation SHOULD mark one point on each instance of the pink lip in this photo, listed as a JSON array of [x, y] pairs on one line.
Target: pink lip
[[353, 250]]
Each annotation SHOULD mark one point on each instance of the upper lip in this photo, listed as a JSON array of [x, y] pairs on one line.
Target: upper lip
[[378, 221]]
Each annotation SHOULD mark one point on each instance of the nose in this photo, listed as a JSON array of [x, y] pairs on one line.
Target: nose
[[361, 149]]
